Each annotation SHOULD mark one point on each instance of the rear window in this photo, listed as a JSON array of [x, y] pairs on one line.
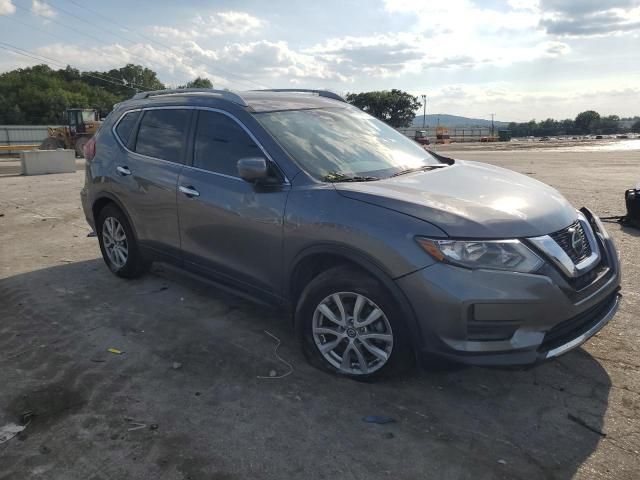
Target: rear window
[[162, 134], [125, 126]]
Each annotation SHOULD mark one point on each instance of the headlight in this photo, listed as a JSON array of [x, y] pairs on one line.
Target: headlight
[[511, 255]]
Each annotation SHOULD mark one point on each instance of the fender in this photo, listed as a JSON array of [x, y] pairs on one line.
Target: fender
[[108, 195], [370, 265]]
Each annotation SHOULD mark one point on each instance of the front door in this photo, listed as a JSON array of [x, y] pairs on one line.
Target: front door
[[230, 229]]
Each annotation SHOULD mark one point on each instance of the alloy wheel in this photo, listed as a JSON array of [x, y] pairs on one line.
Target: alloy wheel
[[352, 333], [115, 243]]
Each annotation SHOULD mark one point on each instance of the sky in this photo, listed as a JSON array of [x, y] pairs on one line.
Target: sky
[[518, 59]]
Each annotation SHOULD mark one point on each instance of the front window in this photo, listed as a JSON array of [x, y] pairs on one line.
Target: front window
[[344, 142]]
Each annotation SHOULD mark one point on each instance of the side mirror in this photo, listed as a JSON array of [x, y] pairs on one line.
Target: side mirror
[[253, 169]]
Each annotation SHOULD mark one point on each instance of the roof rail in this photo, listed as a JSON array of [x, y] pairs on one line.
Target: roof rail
[[320, 93], [224, 94]]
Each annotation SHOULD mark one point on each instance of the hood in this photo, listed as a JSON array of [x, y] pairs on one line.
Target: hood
[[472, 200]]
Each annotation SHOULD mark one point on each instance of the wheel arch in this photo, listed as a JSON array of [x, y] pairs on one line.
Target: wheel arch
[[316, 259], [104, 199]]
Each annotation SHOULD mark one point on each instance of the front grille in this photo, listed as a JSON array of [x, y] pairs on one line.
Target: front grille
[[597, 273], [564, 238], [575, 326]]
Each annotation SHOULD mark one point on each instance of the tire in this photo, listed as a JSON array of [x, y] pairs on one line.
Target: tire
[[51, 143], [79, 146], [361, 343], [125, 258]]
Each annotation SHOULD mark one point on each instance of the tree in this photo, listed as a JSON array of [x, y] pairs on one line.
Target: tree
[[127, 80], [199, 82], [395, 107], [609, 125], [635, 128], [586, 122], [568, 126], [39, 95]]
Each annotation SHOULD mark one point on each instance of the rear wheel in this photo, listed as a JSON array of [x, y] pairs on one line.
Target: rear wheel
[[118, 245], [350, 325], [51, 143]]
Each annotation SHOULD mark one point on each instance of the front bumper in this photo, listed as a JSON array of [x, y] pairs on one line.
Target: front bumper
[[489, 317]]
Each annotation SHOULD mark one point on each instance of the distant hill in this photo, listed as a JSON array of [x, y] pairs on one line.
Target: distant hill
[[455, 121]]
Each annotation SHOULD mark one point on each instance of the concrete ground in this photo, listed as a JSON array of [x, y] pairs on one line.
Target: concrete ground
[[188, 397]]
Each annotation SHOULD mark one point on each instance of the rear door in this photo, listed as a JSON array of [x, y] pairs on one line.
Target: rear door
[[230, 229], [147, 175]]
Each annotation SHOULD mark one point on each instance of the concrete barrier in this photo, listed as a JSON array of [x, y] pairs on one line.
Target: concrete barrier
[[40, 162]]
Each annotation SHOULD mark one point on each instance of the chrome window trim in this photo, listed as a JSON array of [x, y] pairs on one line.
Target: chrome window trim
[[560, 258], [117, 122], [214, 173], [197, 107]]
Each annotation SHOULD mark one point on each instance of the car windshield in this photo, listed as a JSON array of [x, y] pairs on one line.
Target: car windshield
[[337, 144]]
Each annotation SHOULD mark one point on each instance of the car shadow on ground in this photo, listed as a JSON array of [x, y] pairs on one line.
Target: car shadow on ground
[[199, 390]]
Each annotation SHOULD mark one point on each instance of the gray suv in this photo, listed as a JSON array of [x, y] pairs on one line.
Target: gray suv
[[384, 252]]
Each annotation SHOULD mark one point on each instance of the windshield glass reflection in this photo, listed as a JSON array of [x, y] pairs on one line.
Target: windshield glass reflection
[[342, 142]]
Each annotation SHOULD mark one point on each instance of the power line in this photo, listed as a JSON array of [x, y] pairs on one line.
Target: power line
[[85, 20], [143, 60], [40, 58], [35, 56], [226, 72], [169, 48], [53, 20], [120, 80]]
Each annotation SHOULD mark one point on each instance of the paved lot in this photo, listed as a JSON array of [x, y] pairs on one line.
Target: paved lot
[[100, 415]]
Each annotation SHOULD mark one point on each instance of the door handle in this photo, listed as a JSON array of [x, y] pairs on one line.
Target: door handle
[[124, 171], [189, 191]]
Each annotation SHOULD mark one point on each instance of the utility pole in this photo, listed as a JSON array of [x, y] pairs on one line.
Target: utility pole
[[492, 115], [424, 114]]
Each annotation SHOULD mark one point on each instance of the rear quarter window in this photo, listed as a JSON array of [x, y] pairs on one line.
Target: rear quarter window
[[125, 126]]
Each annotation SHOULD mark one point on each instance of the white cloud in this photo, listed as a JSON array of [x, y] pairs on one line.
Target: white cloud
[[7, 7], [264, 60], [174, 33], [514, 104], [464, 34], [221, 23], [238, 65], [229, 23], [42, 9], [379, 55], [463, 15], [391, 55], [524, 4], [604, 22], [581, 7]]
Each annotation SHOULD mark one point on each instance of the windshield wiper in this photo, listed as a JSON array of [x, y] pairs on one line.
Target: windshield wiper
[[424, 168], [341, 177]]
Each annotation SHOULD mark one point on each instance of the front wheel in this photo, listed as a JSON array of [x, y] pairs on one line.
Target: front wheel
[[350, 325]]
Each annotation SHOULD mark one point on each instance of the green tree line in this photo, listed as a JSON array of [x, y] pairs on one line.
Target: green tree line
[[39, 95], [585, 123]]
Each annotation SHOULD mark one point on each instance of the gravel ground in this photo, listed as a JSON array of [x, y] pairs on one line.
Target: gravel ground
[[187, 398]]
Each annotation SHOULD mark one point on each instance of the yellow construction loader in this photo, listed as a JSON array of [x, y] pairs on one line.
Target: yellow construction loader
[[81, 125]]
